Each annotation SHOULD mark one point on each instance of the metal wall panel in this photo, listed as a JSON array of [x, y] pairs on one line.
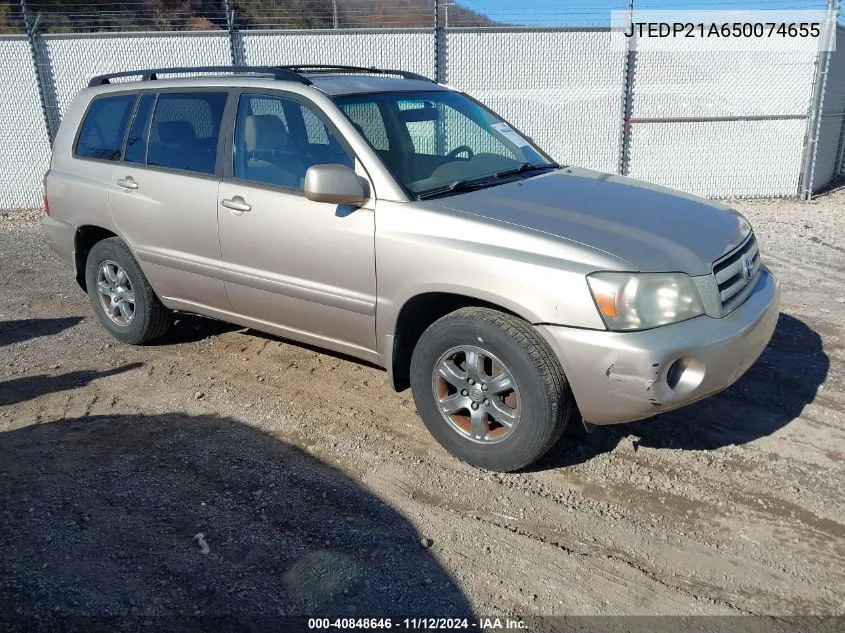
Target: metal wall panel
[[75, 59], [25, 149], [411, 50], [564, 88]]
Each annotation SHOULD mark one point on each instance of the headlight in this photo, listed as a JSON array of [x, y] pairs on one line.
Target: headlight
[[638, 301]]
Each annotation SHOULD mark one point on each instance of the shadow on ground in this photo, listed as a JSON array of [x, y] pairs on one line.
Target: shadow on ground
[[25, 329], [189, 328], [26, 388], [100, 515], [772, 394]]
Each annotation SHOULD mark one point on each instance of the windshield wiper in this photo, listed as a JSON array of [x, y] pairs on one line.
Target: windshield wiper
[[524, 167], [485, 181], [459, 185]]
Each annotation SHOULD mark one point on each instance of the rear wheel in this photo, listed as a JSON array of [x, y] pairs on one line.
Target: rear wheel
[[489, 388], [121, 296]]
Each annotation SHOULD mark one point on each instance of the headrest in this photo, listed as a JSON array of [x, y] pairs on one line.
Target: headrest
[[176, 132], [264, 132]]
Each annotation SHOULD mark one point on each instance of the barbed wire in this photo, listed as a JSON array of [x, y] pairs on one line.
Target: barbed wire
[[159, 15]]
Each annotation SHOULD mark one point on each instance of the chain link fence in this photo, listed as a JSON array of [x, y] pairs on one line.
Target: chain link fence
[[563, 87], [405, 49], [720, 124], [25, 148]]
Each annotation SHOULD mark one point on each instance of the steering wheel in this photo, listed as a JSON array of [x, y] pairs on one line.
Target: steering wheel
[[458, 150]]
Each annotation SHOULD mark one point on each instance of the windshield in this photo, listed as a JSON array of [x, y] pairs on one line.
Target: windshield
[[441, 141]]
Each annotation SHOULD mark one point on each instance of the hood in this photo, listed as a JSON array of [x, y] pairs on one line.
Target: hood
[[654, 228]]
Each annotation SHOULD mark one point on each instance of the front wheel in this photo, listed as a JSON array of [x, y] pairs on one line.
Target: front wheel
[[489, 389]]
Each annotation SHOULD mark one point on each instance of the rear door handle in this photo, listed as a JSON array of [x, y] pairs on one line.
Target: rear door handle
[[127, 183], [236, 203]]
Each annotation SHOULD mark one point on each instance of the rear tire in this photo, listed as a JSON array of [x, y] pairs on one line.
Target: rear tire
[[123, 301], [490, 389]]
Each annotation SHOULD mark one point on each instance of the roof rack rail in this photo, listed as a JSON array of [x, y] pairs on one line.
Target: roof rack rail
[[277, 72], [371, 70]]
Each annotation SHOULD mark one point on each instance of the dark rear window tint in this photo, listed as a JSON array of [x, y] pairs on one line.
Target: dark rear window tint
[[136, 142], [184, 131], [104, 127]]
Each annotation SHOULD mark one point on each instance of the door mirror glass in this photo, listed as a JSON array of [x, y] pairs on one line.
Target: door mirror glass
[[336, 184]]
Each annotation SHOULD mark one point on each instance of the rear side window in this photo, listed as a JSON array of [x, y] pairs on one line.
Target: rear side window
[[104, 127], [184, 131]]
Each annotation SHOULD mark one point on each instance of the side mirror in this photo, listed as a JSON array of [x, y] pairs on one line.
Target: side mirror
[[336, 184]]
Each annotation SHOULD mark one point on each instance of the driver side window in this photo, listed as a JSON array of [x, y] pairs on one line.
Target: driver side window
[[278, 139]]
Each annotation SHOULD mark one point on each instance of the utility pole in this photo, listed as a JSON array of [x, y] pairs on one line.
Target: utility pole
[[334, 12]]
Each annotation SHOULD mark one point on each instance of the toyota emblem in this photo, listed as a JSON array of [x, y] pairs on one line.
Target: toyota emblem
[[748, 267]]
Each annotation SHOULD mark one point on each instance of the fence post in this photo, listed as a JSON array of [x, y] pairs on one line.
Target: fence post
[[628, 97], [814, 115], [236, 43], [441, 23], [839, 165], [43, 74]]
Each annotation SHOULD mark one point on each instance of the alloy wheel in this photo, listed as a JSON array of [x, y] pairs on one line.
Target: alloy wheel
[[476, 394], [115, 292]]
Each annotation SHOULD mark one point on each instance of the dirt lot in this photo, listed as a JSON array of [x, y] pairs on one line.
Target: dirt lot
[[319, 491]]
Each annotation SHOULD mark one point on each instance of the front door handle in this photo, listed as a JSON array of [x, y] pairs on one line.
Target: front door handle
[[127, 183], [236, 203]]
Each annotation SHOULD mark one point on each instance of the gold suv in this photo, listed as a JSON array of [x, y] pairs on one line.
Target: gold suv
[[385, 216]]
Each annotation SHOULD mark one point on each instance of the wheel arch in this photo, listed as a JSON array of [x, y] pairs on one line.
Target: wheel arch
[[417, 313], [84, 240]]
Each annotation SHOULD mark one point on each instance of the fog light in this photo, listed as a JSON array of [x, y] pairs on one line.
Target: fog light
[[685, 374]]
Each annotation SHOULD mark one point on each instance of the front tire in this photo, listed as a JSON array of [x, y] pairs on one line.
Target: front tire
[[489, 389], [121, 296]]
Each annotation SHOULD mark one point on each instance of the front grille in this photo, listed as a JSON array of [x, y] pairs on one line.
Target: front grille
[[734, 285]]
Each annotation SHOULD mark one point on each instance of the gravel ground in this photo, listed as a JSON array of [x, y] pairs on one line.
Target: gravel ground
[[319, 491]]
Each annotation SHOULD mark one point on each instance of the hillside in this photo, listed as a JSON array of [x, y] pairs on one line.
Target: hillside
[[102, 15]]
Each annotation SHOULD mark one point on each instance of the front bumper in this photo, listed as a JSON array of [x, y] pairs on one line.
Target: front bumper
[[627, 376]]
